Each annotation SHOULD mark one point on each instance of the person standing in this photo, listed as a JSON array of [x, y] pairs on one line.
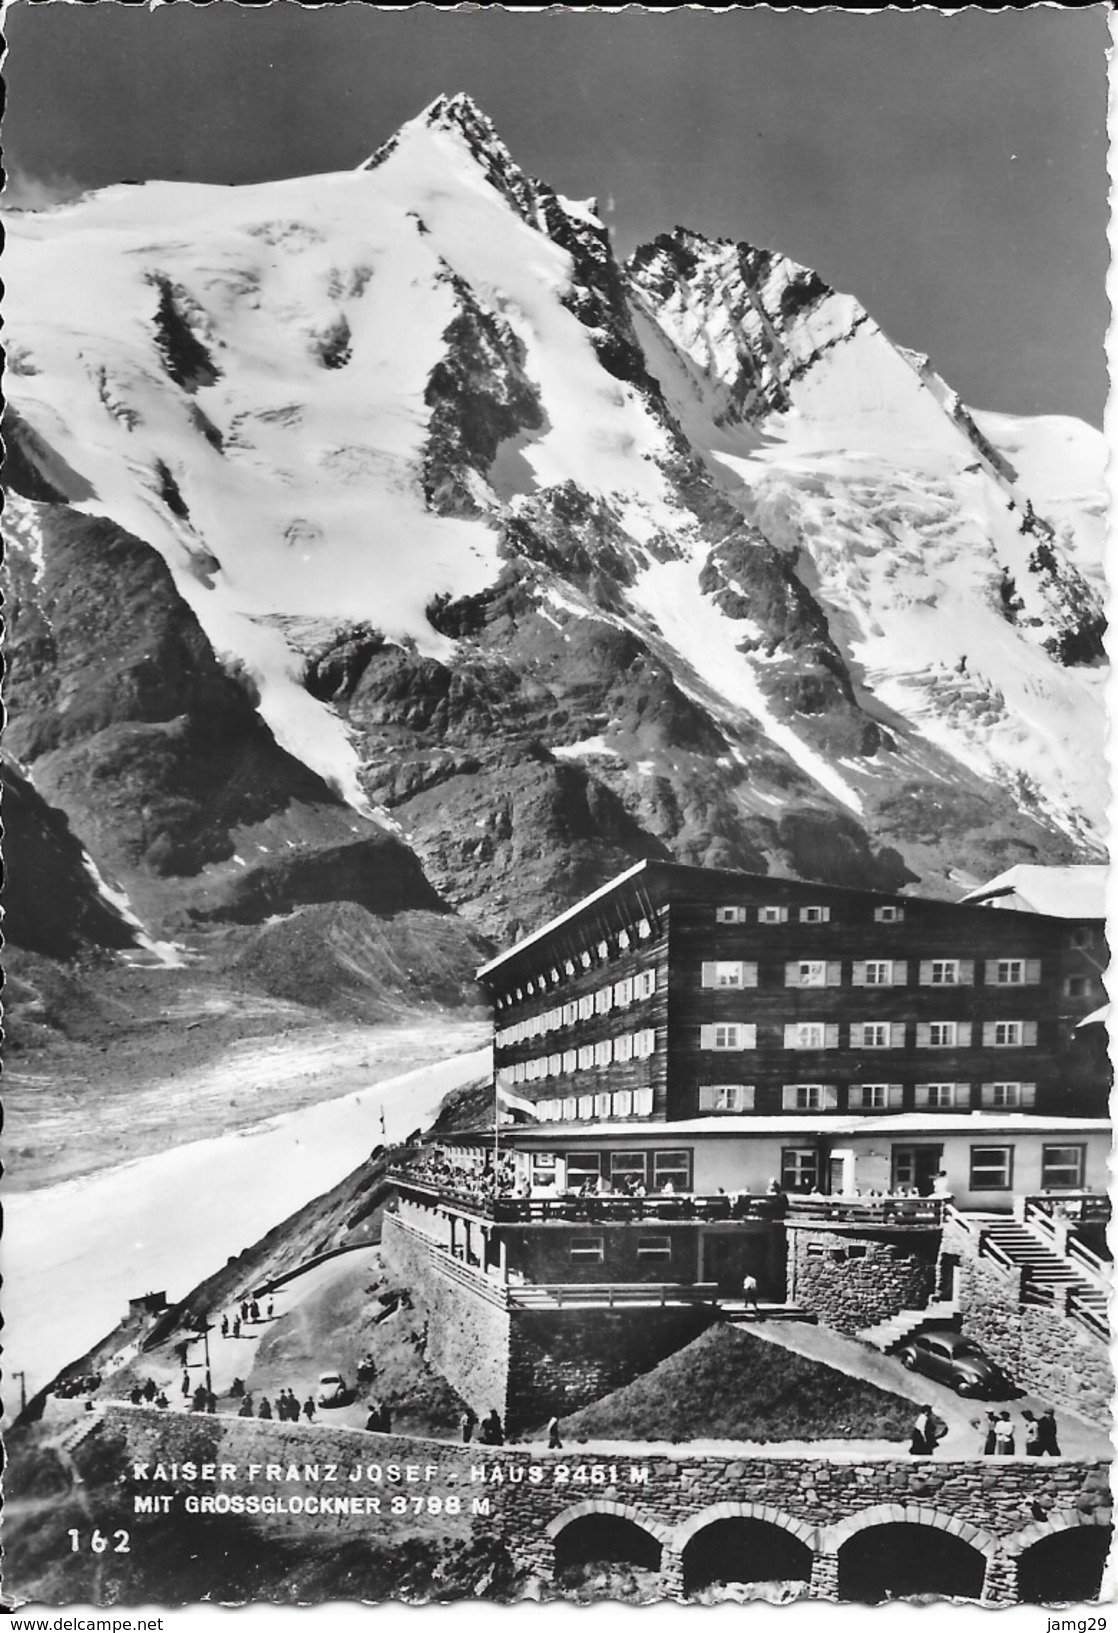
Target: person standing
[[236, 1326], [225, 1326], [749, 1296], [1005, 1444], [185, 1382], [308, 1408], [271, 1308], [991, 1445], [923, 1443], [254, 1310], [554, 1444], [1049, 1436], [1032, 1435], [265, 1408], [466, 1425]]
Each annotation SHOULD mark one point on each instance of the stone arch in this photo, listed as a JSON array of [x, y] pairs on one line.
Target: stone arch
[[1065, 1519], [690, 1527], [832, 1539], [604, 1505]]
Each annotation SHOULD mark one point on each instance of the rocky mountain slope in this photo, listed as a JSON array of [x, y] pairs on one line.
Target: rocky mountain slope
[[379, 538]]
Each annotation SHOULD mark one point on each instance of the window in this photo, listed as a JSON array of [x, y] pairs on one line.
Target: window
[[728, 1035], [644, 985], [811, 1035], [570, 1060], [603, 1000], [1009, 1034], [875, 1096], [1081, 936], [589, 1249], [582, 1166], [871, 1035], [888, 915], [1008, 972], [586, 1057], [623, 1047], [671, 1168], [603, 949], [554, 1065], [1008, 1096], [602, 1105], [799, 1168], [603, 1052], [623, 993], [623, 1103], [947, 972], [879, 972], [726, 1096], [586, 1007], [644, 1044], [729, 915], [585, 960], [625, 1165], [814, 915], [585, 1106], [1079, 986], [772, 915], [654, 1247], [812, 972], [1062, 1167], [570, 1108], [809, 1096], [729, 973], [644, 929], [943, 1034], [936, 1096], [991, 1167]]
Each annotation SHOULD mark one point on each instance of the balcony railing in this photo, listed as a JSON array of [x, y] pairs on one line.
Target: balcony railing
[[878, 1211], [563, 1208], [1076, 1207]]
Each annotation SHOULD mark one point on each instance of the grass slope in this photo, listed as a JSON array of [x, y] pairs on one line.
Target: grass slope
[[729, 1385]]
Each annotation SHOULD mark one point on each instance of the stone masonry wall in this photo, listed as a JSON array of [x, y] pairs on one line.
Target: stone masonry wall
[[850, 1293], [519, 1492], [561, 1361], [1046, 1353], [467, 1330]]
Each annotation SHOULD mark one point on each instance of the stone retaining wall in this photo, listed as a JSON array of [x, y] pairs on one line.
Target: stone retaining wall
[[1046, 1353], [852, 1290]]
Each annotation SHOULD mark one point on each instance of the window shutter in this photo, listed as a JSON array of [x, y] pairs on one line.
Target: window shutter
[[792, 974], [788, 1096], [831, 1035], [896, 1034], [1028, 1094], [986, 1094], [749, 975], [834, 975], [966, 972], [1028, 1033], [925, 972], [1032, 972], [858, 973], [790, 1034], [988, 1028], [962, 1034], [708, 975], [585, 1105], [570, 1060], [748, 1036], [895, 1094], [922, 1034], [830, 1096], [962, 1096], [900, 974], [706, 1037], [623, 1103], [746, 1096], [706, 1097], [642, 1103]]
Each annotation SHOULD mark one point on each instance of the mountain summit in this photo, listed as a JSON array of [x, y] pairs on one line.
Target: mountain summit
[[514, 563]]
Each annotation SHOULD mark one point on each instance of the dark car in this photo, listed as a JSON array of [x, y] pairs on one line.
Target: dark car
[[953, 1359]]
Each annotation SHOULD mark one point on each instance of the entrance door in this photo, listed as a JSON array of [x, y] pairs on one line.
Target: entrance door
[[729, 1255], [916, 1165]]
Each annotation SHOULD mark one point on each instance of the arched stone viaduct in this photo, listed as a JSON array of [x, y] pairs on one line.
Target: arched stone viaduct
[[974, 1524]]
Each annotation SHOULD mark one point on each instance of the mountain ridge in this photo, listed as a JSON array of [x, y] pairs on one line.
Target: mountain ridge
[[537, 562]]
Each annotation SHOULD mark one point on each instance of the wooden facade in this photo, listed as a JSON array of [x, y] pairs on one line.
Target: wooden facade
[[843, 1001]]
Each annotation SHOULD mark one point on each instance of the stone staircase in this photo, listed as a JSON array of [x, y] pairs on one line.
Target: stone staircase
[[78, 1431], [889, 1335], [735, 1311], [1047, 1276]]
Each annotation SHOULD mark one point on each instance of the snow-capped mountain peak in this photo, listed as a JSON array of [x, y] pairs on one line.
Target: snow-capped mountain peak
[[452, 490]]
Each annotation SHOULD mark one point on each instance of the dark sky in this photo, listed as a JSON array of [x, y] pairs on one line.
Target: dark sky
[[949, 170]]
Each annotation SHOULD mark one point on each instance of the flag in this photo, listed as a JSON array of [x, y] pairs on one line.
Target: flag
[[515, 1103]]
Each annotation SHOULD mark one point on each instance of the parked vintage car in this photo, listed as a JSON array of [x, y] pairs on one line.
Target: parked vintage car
[[334, 1391], [952, 1358]]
